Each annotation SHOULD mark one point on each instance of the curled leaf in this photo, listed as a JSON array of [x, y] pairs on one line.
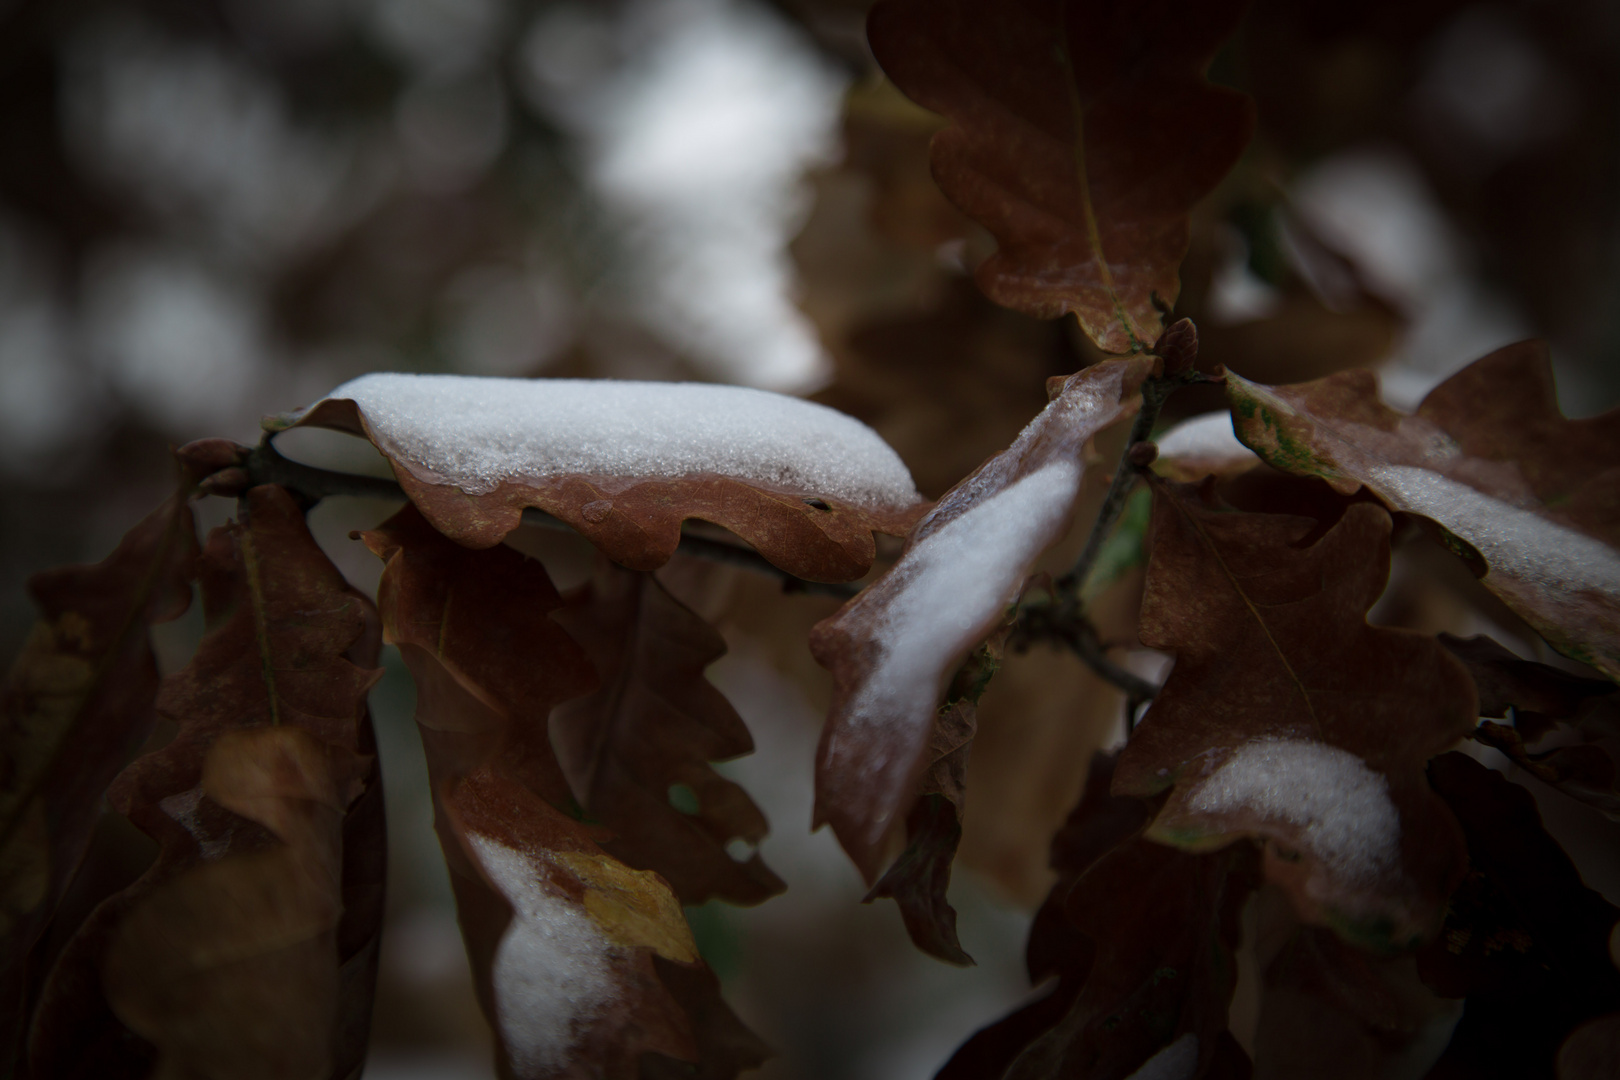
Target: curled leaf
[[626, 463], [892, 648], [76, 704], [249, 947], [1525, 494], [1082, 133]]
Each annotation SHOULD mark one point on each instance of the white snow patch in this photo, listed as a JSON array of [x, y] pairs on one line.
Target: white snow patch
[[953, 581], [1343, 807], [1513, 541], [477, 432], [551, 971], [1205, 438], [1175, 1062]]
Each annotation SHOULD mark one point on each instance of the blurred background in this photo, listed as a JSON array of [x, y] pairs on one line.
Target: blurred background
[[215, 209]]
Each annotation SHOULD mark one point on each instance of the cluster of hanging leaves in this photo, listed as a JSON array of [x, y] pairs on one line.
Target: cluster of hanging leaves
[[1291, 796]]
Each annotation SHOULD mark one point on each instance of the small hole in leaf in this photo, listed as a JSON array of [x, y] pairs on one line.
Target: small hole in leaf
[[683, 798], [739, 849], [819, 504]]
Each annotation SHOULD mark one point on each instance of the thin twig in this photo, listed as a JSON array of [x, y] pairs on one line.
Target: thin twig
[[265, 465], [1061, 620], [1155, 392]]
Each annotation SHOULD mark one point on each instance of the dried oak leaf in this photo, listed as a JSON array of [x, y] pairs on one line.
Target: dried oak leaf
[[653, 727], [1541, 699], [1528, 496], [1524, 940], [76, 705], [892, 648], [1082, 133], [1141, 939], [249, 947], [564, 939], [625, 464], [919, 879], [1288, 718]]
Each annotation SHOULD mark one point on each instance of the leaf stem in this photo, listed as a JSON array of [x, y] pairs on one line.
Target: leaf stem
[[264, 464]]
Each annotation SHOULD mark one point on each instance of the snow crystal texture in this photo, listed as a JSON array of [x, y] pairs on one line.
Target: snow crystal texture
[[1342, 807], [953, 581], [478, 432], [1512, 540], [1205, 438], [551, 970]]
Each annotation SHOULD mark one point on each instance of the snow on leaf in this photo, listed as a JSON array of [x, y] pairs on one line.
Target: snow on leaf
[[1082, 132], [77, 703], [1525, 940], [1490, 459], [1288, 718], [1141, 938], [251, 943], [892, 648], [625, 463], [1200, 446], [565, 941], [656, 722]]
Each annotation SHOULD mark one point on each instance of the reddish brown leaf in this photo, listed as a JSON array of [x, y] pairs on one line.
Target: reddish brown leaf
[[636, 520], [233, 954], [1541, 700], [1531, 498], [1141, 939], [892, 648], [652, 728], [563, 937], [1082, 134], [77, 703], [1525, 940], [1287, 717], [919, 878]]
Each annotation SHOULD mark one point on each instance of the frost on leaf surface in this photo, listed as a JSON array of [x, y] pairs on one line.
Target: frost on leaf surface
[[625, 463], [1489, 458], [892, 649], [1289, 719]]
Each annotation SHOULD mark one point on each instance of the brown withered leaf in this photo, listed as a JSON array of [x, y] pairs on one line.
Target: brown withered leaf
[[1540, 700], [234, 954], [76, 705], [230, 968], [1141, 939], [1288, 718], [919, 879], [892, 648], [1082, 133], [1531, 498], [637, 522], [1525, 940], [653, 727], [563, 938]]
